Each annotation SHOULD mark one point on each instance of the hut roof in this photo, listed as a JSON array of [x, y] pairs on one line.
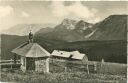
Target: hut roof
[[65, 54], [31, 50], [61, 53], [77, 55]]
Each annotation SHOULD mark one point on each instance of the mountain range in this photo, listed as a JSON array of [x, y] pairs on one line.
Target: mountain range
[[69, 30], [105, 39], [113, 27], [24, 29]]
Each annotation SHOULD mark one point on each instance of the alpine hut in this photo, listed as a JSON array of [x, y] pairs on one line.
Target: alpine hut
[[33, 57]]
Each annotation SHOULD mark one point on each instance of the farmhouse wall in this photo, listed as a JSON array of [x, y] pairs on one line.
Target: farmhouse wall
[[56, 65], [61, 65]]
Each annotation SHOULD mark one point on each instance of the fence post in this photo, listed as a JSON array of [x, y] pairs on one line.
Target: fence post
[[11, 63], [102, 62], [65, 69], [15, 58], [87, 69], [95, 67]]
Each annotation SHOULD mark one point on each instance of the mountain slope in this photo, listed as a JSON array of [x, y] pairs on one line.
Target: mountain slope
[[112, 28], [9, 42], [24, 29], [44, 30], [69, 30]]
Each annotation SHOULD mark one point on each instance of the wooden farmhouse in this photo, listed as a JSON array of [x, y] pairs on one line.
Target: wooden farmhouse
[[33, 57], [61, 61], [74, 55]]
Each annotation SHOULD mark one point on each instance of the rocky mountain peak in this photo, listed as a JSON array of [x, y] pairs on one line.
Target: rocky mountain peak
[[69, 23], [82, 25]]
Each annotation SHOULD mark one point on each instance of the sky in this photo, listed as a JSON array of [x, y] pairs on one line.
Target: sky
[[53, 12]]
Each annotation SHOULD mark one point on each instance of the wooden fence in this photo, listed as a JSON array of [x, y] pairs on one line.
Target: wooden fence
[[9, 63], [93, 66], [89, 66]]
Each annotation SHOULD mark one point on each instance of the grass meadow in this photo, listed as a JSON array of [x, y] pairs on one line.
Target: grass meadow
[[109, 73]]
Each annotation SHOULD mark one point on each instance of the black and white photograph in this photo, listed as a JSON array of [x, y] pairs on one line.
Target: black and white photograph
[[52, 41]]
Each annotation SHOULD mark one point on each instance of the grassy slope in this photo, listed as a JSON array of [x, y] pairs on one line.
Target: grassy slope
[[78, 77], [111, 51]]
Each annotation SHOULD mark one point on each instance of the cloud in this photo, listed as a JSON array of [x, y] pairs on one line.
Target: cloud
[[80, 11], [58, 9], [75, 11], [24, 14], [94, 20], [5, 11]]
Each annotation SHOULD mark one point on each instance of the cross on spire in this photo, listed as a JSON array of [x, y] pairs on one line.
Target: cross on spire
[[30, 37]]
